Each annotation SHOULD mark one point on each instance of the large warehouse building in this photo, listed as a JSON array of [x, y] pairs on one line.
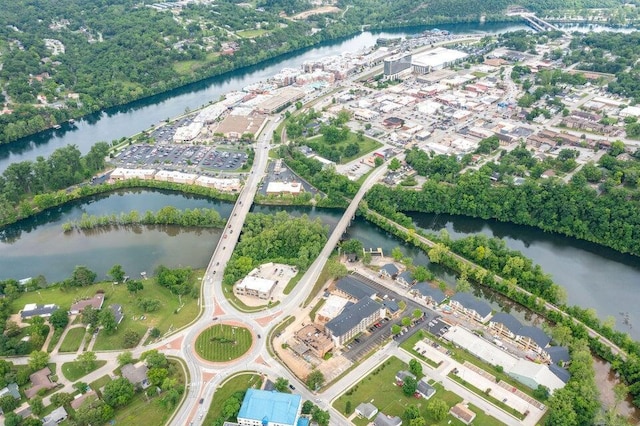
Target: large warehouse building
[[436, 59]]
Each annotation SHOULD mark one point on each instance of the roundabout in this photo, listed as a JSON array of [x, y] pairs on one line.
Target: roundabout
[[223, 342]]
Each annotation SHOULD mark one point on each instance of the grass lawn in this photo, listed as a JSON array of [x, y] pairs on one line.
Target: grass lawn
[[380, 389], [251, 33], [316, 308], [73, 370], [238, 383], [57, 334], [102, 381], [223, 342], [366, 145], [293, 282], [320, 282], [73, 340]]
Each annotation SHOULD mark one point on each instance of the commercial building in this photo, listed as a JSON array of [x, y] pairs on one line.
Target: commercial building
[[332, 307], [284, 188], [438, 58], [124, 174], [395, 66], [224, 185], [187, 133], [353, 289], [255, 286], [280, 99], [175, 177], [354, 319], [269, 408]]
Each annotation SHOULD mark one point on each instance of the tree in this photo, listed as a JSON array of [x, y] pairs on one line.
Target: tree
[[87, 360], [281, 384], [117, 273], [366, 258], [378, 161], [422, 274], [396, 253], [541, 393], [411, 412], [124, 358], [394, 164], [90, 316], [59, 399], [320, 416], [230, 408], [12, 329], [130, 339], [409, 386], [406, 321], [395, 329], [38, 360], [108, 320], [81, 387], [347, 407], [417, 314], [12, 419], [352, 246], [437, 409], [37, 407], [8, 403], [134, 286], [157, 375], [59, 319], [82, 276], [336, 269], [155, 359], [416, 368], [154, 333], [315, 380], [118, 392], [462, 285], [418, 421], [93, 412], [307, 407]]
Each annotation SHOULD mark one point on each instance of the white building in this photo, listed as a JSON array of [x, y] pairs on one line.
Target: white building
[[284, 188], [255, 286], [438, 58]]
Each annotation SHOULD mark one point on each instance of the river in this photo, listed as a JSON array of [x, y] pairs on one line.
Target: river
[[132, 118]]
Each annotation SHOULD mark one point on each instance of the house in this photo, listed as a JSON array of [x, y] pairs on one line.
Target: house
[[559, 354], [57, 416], [353, 289], [430, 294], [533, 339], [31, 310], [402, 375], [405, 279], [389, 270], [80, 399], [265, 408], [384, 420], [95, 302], [39, 380], [462, 413], [354, 319], [10, 389], [136, 374], [366, 410], [469, 305], [505, 325], [425, 389], [117, 312], [391, 307]]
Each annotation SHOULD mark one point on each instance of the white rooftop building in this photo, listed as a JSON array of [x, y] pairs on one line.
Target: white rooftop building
[[187, 133], [435, 59], [255, 286]]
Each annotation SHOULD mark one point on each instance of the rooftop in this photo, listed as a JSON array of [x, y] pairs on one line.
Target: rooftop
[[390, 269], [95, 302], [384, 420], [507, 320], [535, 334], [469, 301], [352, 316], [558, 354], [257, 284], [270, 407], [354, 288], [426, 290]]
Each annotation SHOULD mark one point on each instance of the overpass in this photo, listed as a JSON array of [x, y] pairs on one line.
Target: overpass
[[538, 24]]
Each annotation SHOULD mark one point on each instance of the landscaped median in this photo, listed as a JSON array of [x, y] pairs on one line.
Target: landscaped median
[[223, 342]]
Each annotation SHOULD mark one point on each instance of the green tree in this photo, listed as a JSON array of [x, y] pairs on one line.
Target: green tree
[[352, 246], [81, 387], [8, 403], [415, 367], [320, 416], [463, 285], [93, 412], [157, 375], [124, 358], [37, 407], [82, 276], [155, 359], [130, 338], [307, 407], [541, 393], [117, 273], [59, 319], [90, 316], [411, 412], [134, 286], [348, 409], [417, 313], [437, 409], [87, 360], [38, 360], [231, 408], [418, 421], [422, 274], [336, 269], [406, 321], [118, 392], [60, 399], [108, 320], [394, 164], [281, 384], [395, 329], [315, 380], [378, 161], [396, 253], [409, 386]]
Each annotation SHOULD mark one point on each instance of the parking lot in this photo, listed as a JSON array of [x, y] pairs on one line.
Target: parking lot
[[283, 174], [164, 134], [181, 157]]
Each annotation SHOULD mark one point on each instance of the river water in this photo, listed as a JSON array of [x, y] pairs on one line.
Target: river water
[[132, 118]]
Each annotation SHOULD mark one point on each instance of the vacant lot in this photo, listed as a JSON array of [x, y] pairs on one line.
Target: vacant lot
[[73, 339], [223, 342], [239, 383], [364, 143], [74, 370]]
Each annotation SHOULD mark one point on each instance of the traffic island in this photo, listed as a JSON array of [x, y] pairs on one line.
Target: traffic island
[[223, 342]]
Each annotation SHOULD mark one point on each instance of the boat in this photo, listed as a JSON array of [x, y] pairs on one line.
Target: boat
[[72, 122], [57, 127]]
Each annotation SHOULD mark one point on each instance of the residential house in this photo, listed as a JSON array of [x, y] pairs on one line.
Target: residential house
[[433, 296], [57, 416], [95, 302], [472, 307], [136, 374], [366, 410], [462, 413], [10, 389], [39, 380], [385, 420], [389, 270], [402, 375], [559, 355], [533, 339], [405, 279], [425, 389], [80, 399], [31, 310], [354, 319]]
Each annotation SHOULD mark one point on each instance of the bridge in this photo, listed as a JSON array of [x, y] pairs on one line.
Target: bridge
[[538, 24]]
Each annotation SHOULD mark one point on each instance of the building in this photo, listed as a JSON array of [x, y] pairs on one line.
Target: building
[[402, 375], [39, 380], [55, 417], [136, 374], [124, 174], [431, 295], [397, 65], [435, 59], [393, 122], [353, 289], [118, 313], [385, 420], [10, 389], [533, 374], [354, 319], [264, 408], [221, 184], [280, 99], [505, 325], [425, 389], [284, 188], [80, 399], [462, 413], [313, 338], [95, 302], [255, 286], [469, 305], [405, 279], [559, 355], [332, 307], [31, 310], [176, 177], [533, 339], [389, 270], [366, 410]]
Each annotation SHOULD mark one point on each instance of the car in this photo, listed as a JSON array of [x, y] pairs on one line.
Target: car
[[292, 387], [201, 400], [258, 336], [214, 318]]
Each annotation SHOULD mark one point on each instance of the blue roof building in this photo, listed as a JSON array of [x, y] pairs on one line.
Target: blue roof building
[[265, 408], [390, 270]]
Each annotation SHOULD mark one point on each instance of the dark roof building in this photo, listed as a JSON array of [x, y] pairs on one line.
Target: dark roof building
[[354, 288], [117, 312], [505, 324], [403, 374], [405, 278], [391, 306], [353, 319], [389, 270], [431, 293], [535, 334], [425, 389], [561, 373], [472, 306], [384, 420], [34, 310], [558, 354]]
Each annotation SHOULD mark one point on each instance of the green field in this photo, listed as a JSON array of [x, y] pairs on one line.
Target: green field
[[380, 389], [223, 342], [238, 383], [73, 340], [164, 318], [73, 370], [102, 381], [366, 145]]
